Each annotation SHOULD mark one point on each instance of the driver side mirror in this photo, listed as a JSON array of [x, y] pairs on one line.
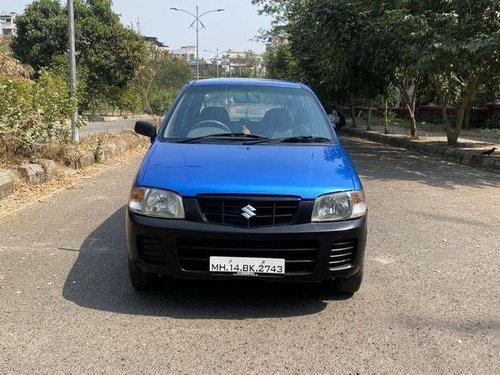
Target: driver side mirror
[[145, 128]]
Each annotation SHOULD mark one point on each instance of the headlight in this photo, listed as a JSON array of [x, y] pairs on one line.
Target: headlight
[[156, 202], [339, 206]]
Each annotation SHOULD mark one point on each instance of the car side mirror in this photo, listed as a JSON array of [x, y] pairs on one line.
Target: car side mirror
[[145, 128], [333, 120]]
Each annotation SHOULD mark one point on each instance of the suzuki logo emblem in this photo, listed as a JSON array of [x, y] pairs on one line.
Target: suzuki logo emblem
[[248, 212]]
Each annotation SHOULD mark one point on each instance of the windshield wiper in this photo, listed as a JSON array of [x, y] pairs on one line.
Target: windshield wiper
[[224, 135], [303, 139]]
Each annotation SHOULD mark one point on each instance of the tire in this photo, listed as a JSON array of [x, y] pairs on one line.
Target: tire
[[349, 284], [141, 281]]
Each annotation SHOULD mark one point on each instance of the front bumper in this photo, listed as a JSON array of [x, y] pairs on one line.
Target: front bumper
[[181, 248]]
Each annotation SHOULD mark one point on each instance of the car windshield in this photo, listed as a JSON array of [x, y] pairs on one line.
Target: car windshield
[[232, 112]]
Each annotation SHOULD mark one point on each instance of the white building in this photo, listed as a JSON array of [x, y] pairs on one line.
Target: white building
[[187, 53], [8, 24], [234, 62], [154, 42]]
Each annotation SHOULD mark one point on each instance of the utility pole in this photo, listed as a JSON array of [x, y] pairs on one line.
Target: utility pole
[[198, 27], [75, 137]]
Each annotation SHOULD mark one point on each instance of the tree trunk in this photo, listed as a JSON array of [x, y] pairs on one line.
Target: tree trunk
[[146, 96], [410, 102], [413, 125], [369, 121], [444, 111], [353, 112], [452, 134], [443, 100], [467, 116], [386, 117]]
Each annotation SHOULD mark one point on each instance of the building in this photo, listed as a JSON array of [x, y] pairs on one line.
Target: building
[[154, 42], [279, 37], [8, 24], [187, 53], [241, 63]]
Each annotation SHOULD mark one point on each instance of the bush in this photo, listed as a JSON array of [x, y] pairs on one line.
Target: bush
[[33, 114], [493, 122]]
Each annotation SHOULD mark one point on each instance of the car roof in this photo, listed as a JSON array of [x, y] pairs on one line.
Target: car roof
[[247, 82]]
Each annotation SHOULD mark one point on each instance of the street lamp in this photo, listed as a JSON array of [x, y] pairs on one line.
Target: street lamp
[[217, 54], [72, 70], [197, 22]]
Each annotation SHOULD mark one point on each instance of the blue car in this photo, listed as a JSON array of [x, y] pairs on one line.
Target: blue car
[[246, 179]]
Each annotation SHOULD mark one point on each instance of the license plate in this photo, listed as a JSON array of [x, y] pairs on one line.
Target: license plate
[[247, 266]]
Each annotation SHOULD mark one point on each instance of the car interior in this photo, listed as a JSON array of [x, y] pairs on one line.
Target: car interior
[[267, 115]]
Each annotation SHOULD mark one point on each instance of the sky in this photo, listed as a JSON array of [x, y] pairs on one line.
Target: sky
[[232, 29]]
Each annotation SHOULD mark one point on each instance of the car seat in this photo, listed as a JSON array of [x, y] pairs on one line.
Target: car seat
[[215, 113], [277, 120]]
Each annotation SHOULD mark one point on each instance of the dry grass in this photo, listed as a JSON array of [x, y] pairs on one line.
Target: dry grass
[[65, 178], [62, 152]]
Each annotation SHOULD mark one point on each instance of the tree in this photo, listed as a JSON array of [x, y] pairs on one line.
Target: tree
[[159, 79], [279, 62], [347, 49], [107, 51], [41, 33], [466, 53]]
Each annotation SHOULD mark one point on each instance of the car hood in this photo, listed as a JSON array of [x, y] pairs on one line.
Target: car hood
[[306, 171]]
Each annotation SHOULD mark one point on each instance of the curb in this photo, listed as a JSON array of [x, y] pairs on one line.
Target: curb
[[43, 171], [465, 157], [6, 184]]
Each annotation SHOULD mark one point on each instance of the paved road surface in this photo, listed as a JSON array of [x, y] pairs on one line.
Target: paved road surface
[[430, 302], [108, 126]]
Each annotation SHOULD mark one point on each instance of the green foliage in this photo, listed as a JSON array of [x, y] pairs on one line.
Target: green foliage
[[33, 114], [108, 55], [159, 79], [445, 50], [42, 33], [279, 63]]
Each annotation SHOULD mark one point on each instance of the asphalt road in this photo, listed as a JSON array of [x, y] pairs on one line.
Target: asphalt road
[[108, 126], [430, 302]]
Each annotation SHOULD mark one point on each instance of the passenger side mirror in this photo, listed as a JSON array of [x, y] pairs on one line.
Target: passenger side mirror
[[145, 128]]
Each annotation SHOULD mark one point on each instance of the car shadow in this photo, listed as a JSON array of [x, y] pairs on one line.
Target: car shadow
[[385, 163], [99, 280]]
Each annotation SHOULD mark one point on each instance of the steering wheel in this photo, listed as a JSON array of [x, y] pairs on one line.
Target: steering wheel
[[213, 123]]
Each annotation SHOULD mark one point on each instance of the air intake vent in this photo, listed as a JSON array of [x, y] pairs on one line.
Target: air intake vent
[[341, 255], [151, 250]]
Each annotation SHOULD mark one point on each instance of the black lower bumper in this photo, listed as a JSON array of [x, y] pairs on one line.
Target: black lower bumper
[[181, 248]]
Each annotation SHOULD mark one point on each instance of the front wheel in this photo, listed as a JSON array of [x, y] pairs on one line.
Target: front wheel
[[140, 280]]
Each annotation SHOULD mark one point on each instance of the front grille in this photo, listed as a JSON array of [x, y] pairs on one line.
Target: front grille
[[151, 250], [300, 256], [229, 210], [341, 255]]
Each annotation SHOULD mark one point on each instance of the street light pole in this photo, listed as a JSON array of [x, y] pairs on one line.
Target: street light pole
[[216, 53], [217, 63], [75, 137], [197, 44], [199, 25]]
